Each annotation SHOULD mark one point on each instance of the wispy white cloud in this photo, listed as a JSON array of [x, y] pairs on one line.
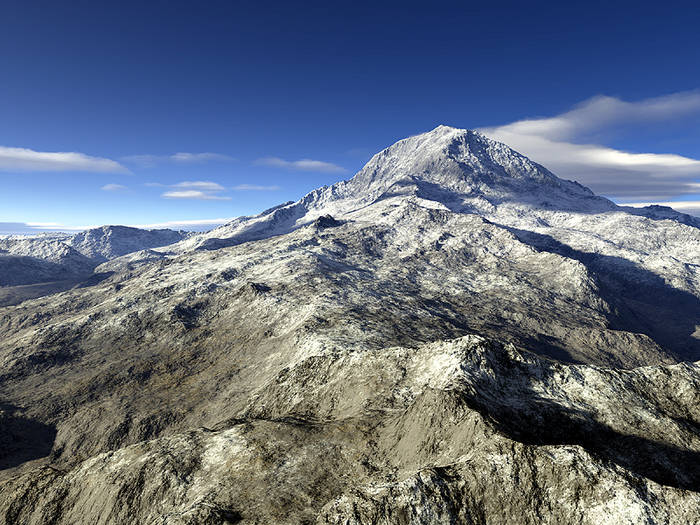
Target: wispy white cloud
[[43, 224], [23, 159], [32, 228], [198, 189], [199, 157], [255, 187], [600, 112], [194, 194], [203, 185], [301, 165], [146, 161], [559, 144], [113, 187], [193, 225]]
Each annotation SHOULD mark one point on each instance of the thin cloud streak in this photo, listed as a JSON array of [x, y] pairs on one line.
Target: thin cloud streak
[[194, 194], [35, 228], [200, 157], [24, 159], [301, 165], [203, 185], [113, 187], [198, 189], [255, 187], [559, 144], [194, 225], [148, 161]]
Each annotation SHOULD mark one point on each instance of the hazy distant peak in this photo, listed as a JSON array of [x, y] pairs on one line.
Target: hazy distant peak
[[110, 241]]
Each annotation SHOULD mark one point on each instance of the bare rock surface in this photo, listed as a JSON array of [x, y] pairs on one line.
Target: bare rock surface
[[455, 335], [466, 431]]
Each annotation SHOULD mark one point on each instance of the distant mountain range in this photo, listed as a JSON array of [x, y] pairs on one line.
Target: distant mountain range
[[55, 257]]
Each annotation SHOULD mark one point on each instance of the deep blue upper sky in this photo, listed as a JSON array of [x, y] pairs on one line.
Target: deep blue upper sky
[[329, 81]]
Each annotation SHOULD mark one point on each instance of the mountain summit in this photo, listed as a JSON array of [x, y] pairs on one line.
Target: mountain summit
[[459, 161], [449, 168]]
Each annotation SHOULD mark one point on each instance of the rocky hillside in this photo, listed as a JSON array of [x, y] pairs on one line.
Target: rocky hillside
[[453, 335], [465, 431]]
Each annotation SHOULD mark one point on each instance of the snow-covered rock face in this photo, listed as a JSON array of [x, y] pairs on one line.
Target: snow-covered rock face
[[465, 172], [27, 260], [455, 335], [462, 162], [645, 263]]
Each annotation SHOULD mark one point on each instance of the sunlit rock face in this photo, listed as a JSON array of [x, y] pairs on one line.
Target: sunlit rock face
[[455, 335]]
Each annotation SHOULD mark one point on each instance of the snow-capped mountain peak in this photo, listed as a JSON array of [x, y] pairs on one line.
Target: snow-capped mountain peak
[[461, 161], [459, 169]]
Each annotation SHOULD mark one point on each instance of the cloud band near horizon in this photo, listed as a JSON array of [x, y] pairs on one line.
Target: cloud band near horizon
[[560, 144], [301, 165]]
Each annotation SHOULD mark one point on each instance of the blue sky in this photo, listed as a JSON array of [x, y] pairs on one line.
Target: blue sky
[[188, 112]]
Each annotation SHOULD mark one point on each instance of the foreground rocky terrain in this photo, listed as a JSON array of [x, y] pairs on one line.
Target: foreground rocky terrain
[[453, 335], [463, 431]]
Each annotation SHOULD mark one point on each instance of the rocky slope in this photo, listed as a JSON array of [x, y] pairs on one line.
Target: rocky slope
[[288, 367], [465, 431]]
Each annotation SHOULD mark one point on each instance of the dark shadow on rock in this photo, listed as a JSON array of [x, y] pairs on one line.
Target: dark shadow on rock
[[228, 516], [545, 345], [11, 295], [189, 315], [18, 270], [95, 279], [642, 301], [22, 439], [326, 221], [596, 204], [523, 415], [546, 423]]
